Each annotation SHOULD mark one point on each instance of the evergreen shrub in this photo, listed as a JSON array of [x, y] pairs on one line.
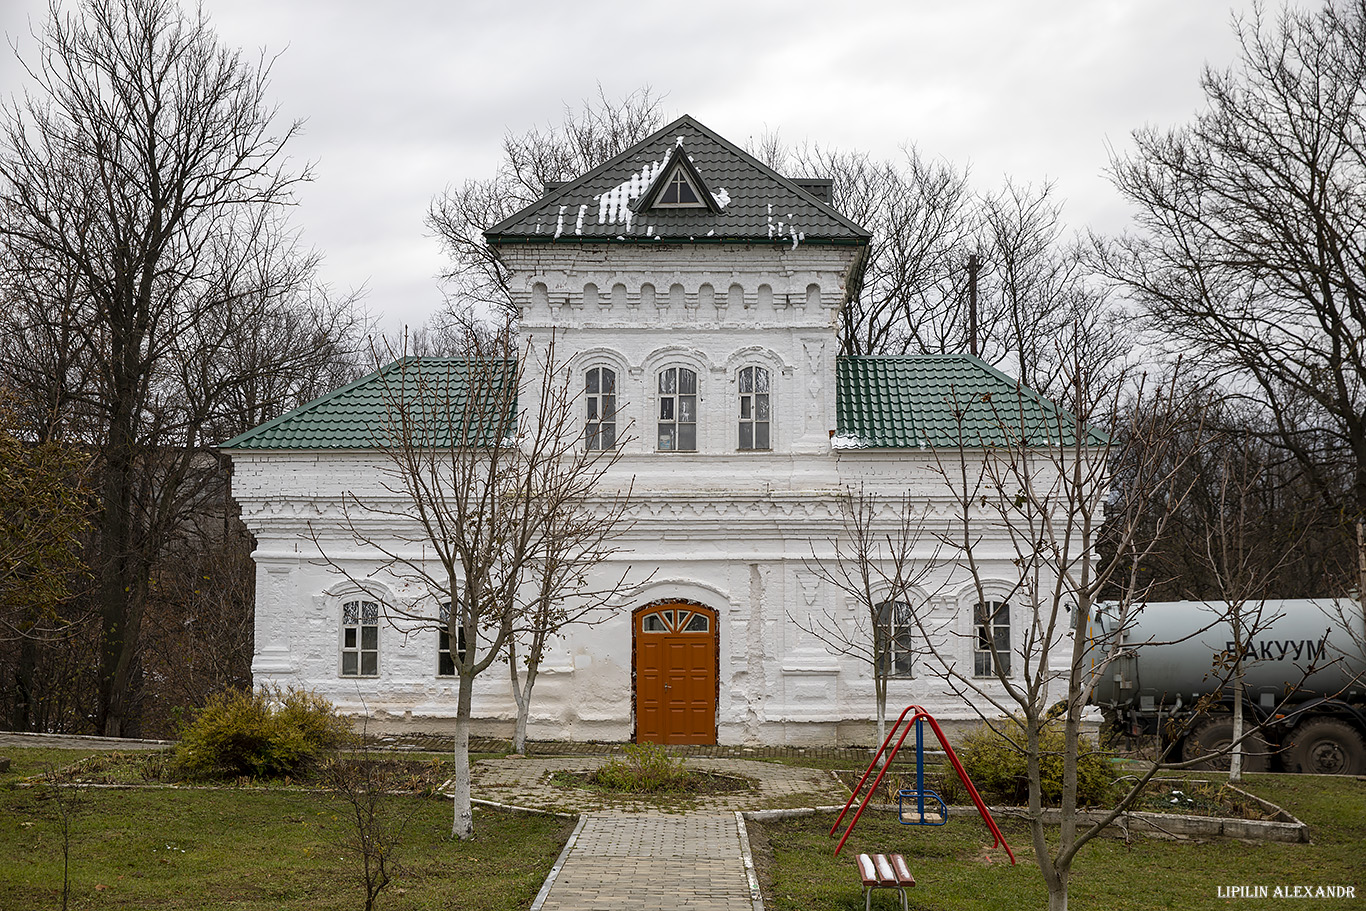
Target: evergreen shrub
[[999, 770], [266, 733]]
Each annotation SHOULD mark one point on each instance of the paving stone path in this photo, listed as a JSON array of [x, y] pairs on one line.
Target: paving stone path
[[644, 863], [529, 782], [632, 854]]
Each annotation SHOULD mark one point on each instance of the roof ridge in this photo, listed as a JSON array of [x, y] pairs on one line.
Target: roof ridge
[[586, 176], [785, 181]]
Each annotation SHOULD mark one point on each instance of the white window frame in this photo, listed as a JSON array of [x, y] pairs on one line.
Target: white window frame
[[679, 175], [985, 630], [359, 615], [897, 620], [600, 408], [671, 404], [749, 403]]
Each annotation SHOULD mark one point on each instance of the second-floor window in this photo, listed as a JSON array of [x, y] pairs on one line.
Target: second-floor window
[[677, 410], [600, 397], [754, 409]]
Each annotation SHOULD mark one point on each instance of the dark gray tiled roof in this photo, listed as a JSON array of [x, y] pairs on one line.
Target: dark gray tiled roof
[[756, 204]]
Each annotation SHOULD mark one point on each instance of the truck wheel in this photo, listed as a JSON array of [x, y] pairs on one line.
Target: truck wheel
[[1327, 746], [1213, 735]]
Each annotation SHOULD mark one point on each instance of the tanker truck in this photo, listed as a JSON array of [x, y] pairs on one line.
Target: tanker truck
[[1304, 679]]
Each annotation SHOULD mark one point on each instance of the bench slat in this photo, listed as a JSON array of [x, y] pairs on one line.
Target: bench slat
[[885, 871]]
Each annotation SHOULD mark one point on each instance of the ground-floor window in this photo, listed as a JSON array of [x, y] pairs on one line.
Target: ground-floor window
[[445, 662], [896, 626], [360, 639], [991, 620]]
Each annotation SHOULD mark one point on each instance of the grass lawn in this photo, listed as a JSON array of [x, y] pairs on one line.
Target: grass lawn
[[953, 869], [249, 849]]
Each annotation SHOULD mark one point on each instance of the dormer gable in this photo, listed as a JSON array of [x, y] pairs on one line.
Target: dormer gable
[[677, 185]]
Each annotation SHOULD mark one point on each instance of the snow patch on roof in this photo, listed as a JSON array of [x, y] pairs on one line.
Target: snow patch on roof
[[559, 224], [614, 205], [847, 441], [722, 198]]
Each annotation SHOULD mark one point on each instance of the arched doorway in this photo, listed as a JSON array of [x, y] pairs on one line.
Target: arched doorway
[[675, 673]]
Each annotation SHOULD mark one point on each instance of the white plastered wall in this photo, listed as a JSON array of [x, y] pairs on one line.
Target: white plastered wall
[[736, 531]]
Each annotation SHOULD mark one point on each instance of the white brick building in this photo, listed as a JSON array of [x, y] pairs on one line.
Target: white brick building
[[704, 291]]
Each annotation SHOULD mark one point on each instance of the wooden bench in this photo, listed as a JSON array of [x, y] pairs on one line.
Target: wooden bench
[[884, 871]]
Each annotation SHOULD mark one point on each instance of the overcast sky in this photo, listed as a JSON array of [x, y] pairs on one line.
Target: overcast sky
[[401, 99]]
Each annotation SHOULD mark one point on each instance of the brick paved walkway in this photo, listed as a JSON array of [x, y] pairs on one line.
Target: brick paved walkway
[[530, 783], [644, 863], [634, 854]]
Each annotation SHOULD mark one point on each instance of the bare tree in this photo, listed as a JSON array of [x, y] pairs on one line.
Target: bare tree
[[1297, 538], [597, 131], [140, 182], [877, 563], [923, 218], [1243, 562], [1250, 247], [927, 220], [495, 514], [581, 524], [377, 821], [1041, 499]]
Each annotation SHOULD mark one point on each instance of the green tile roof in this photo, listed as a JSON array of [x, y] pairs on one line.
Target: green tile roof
[[753, 203], [423, 398], [926, 401], [880, 403]]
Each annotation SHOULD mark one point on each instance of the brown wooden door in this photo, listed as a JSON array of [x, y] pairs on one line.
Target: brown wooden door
[[676, 674]]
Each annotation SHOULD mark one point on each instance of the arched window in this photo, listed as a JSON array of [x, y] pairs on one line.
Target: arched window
[[360, 639], [600, 398], [445, 661], [991, 623], [677, 410], [755, 412], [896, 624]]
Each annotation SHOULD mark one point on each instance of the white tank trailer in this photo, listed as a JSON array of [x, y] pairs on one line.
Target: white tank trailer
[[1304, 678]]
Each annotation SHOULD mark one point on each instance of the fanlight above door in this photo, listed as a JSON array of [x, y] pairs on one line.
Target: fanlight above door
[[675, 621]]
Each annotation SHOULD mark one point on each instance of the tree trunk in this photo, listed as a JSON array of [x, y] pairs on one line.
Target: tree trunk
[[881, 718], [523, 700], [121, 583], [22, 712], [462, 825], [1235, 758]]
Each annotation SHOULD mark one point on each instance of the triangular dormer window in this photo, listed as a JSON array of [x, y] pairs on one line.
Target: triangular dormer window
[[678, 191], [677, 186]]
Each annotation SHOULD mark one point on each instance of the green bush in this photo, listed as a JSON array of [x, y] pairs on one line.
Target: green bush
[[645, 767], [1000, 772], [265, 733]]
